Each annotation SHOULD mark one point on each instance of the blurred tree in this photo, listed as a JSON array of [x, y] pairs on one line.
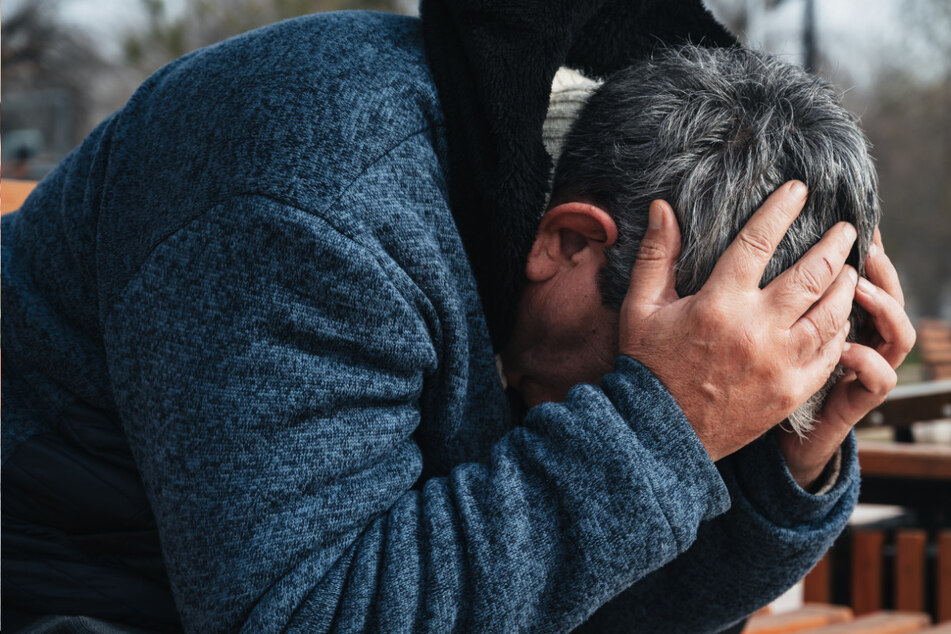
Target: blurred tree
[[37, 49], [203, 22], [906, 113], [908, 120], [931, 22], [53, 79]]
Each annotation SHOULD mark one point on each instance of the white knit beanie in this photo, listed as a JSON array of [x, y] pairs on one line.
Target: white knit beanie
[[569, 90]]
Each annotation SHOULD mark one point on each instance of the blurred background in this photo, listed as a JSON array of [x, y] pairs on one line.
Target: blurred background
[[66, 64]]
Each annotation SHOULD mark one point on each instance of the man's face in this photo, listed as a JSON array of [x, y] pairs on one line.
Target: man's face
[[563, 334], [560, 339]]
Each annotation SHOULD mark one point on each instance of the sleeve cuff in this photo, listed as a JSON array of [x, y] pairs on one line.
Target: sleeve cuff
[[829, 475], [685, 480], [764, 480]]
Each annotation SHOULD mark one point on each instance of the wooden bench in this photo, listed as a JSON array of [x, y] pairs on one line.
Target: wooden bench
[[13, 193], [835, 619], [910, 404], [905, 566], [912, 475], [905, 553], [934, 344], [808, 616]]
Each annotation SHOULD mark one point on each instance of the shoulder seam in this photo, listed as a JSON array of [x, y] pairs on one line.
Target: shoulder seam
[[105, 310], [343, 190]]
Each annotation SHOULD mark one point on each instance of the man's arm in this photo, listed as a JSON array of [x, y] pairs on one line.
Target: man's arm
[[269, 369], [772, 535], [775, 530]]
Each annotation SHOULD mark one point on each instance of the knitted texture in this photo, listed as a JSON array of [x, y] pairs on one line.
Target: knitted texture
[[239, 325]]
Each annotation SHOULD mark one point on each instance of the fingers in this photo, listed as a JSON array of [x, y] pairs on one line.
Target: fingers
[[807, 280], [654, 274], [745, 259], [881, 271], [870, 380], [889, 319], [827, 318]]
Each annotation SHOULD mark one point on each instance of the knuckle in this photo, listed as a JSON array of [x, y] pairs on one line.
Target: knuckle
[[757, 242], [713, 315], [891, 381], [786, 401], [828, 268], [811, 281], [830, 321], [831, 360], [887, 384], [813, 333], [747, 352], [651, 251], [882, 384], [748, 341], [908, 339]]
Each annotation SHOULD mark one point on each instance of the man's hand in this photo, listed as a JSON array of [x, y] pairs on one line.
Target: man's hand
[[739, 359], [870, 370]]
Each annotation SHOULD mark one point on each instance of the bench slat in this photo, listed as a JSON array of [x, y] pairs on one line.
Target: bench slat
[[931, 462], [867, 570], [909, 578], [943, 590], [817, 586], [879, 623], [807, 617]]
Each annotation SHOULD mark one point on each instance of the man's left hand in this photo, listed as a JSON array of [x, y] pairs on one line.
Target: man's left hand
[[870, 371]]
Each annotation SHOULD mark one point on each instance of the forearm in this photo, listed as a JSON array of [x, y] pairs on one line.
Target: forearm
[[277, 442], [572, 507], [773, 534]]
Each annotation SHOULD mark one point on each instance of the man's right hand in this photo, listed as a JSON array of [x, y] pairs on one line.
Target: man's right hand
[[739, 359]]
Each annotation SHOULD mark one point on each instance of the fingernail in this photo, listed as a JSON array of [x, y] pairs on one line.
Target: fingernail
[[866, 286], [798, 189], [655, 217], [850, 232], [873, 250], [846, 347], [853, 275]]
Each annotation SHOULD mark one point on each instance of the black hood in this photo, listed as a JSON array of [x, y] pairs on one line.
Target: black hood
[[493, 62]]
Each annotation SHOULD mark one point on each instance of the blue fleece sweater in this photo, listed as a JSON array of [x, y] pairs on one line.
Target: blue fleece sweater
[[238, 323]]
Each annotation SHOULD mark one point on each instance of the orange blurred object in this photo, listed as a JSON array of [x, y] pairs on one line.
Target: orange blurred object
[[13, 193]]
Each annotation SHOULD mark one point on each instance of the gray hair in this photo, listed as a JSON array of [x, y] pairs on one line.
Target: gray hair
[[714, 132]]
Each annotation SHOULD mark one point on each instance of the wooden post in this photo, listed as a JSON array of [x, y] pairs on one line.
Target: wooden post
[[867, 571], [943, 591], [909, 577], [817, 586]]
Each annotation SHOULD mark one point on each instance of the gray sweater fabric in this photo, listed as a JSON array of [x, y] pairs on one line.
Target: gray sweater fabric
[[248, 386]]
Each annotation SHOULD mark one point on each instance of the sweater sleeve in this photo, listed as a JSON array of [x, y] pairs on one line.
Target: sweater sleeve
[[773, 534], [269, 375]]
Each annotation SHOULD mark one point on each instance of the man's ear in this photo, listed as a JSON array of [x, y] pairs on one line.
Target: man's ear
[[566, 233]]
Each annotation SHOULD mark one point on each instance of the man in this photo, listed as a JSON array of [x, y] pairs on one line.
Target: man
[[239, 322], [714, 131]]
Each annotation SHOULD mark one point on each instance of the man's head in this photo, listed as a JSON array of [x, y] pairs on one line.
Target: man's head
[[713, 132]]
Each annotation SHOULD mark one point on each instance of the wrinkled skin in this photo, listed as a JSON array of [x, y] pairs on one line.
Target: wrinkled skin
[[738, 359]]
